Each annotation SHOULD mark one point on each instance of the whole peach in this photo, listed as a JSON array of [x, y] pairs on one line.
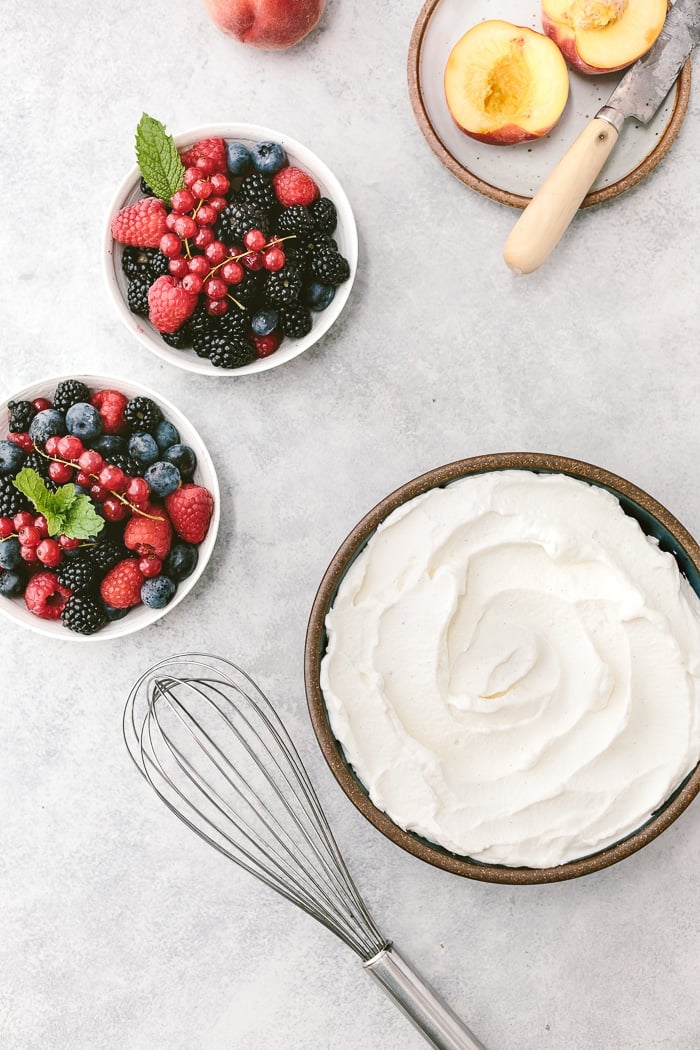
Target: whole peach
[[269, 24]]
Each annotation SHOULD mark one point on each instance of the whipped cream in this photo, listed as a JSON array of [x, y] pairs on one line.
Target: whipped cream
[[513, 669]]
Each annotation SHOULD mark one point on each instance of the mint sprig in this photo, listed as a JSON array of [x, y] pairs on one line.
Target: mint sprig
[[67, 513], [158, 159]]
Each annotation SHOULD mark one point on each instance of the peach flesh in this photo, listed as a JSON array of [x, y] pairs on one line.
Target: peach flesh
[[602, 36]]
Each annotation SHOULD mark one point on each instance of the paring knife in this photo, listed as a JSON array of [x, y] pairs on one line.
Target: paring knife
[[639, 94]]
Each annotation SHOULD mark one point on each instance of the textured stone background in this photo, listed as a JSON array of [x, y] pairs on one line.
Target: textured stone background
[[119, 928]]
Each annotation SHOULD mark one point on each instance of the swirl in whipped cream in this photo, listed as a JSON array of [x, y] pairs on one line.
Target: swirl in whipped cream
[[513, 669]]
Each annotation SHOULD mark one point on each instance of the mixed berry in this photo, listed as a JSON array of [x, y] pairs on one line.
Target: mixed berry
[[99, 509], [230, 251]]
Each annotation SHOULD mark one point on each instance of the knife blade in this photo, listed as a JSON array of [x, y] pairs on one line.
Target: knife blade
[[639, 94]]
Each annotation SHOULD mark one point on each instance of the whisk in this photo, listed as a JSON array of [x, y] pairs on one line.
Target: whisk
[[213, 748]]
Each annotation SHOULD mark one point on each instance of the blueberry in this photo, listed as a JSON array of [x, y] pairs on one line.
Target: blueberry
[[268, 157], [84, 421], [11, 583], [11, 457], [163, 478], [264, 322], [237, 158], [115, 614], [108, 444], [10, 557], [157, 591], [48, 423], [143, 447], [183, 457], [166, 434], [182, 561], [318, 296]]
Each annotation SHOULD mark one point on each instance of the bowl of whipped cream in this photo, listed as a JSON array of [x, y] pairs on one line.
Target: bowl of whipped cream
[[503, 667]]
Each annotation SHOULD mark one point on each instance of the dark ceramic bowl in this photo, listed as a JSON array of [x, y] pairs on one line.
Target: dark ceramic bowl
[[655, 521]]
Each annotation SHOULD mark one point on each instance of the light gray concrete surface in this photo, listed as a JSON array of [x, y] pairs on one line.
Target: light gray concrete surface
[[119, 928]]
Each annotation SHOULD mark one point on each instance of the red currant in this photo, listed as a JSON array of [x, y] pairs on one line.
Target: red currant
[[70, 447], [182, 201], [40, 404], [138, 490], [215, 288], [202, 188], [220, 184], [185, 226], [232, 272], [49, 553], [170, 220], [7, 527], [91, 462], [199, 265], [255, 240], [190, 176], [217, 203], [51, 445], [28, 553], [204, 166], [42, 525], [29, 536], [83, 479], [178, 267], [253, 261], [60, 472], [215, 252], [113, 509], [113, 478], [192, 282], [217, 307], [150, 565], [274, 259], [23, 440], [22, 519], [97, 492], [204, 237], [171, 245], [68, 543], [206, 216]]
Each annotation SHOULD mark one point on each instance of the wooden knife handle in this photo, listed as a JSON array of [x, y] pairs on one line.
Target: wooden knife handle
[[541, 225]]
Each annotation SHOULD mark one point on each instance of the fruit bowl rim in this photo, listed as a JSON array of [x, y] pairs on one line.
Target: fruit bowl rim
[[139, 617], [291, 348]]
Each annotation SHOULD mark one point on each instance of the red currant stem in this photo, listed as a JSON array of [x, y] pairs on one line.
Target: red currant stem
[[122, 499], [12, 536], [188, 253], [239, 305]]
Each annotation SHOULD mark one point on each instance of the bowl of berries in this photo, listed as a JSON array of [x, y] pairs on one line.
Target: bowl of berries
[[109, 507], [228, 249]]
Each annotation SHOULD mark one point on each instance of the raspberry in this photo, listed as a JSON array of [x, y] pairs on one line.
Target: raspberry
[[121, 587], [294, 186], [214, 150], [111, 404], [169, 304], [45, 597], [141, 224], [190, 508], [147, 536]]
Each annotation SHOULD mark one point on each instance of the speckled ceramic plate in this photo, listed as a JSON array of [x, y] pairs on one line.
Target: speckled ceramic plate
[[512, 174], [654, 520]]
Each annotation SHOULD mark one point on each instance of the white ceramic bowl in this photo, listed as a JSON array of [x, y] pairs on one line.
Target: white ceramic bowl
[[345, 235], [140, 616]]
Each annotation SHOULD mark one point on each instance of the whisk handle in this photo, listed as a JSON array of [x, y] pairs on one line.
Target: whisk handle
[[417, 1000]]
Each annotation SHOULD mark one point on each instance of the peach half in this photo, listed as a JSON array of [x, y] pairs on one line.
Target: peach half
[[600, 36], [505, 83]]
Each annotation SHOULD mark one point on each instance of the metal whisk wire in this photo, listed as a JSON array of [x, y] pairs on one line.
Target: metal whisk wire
[[174, 723], [213, 748]]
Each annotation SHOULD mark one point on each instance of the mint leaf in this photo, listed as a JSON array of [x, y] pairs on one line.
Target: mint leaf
[[81, 519], [32, 485], [63, 498], [158, 159]]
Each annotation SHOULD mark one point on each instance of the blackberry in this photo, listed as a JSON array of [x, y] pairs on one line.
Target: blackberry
[[11, 499], [137, 294], [283, 286], [140, 262], [249, 292], [142, 414], [295, 320], [145, 188], [230, 351], [21, 415], [38, 463], [329, 267], [256, 188], [69, 393], [302, 248], [296, 220], [79, 575], [324, 214], [178, 340], [83, 614], [126, 463], [237, 218], [105, 554], [205, 328]]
